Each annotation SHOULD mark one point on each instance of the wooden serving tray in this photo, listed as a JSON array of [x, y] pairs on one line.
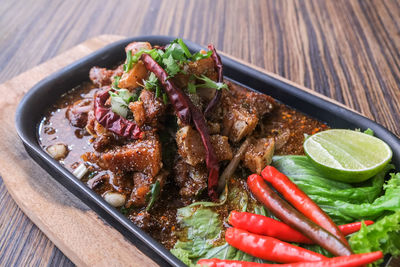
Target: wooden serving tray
[[74, 228]]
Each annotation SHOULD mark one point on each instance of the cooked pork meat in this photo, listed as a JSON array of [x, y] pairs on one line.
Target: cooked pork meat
[[102, 76], [154, 107], [140, 155], [77, 113], [134, 77], [201, 67], [242, 110], [190, 179], [259, 154], [135, 47], [142, 183], [238, 123], [191, 149], [259, 104]]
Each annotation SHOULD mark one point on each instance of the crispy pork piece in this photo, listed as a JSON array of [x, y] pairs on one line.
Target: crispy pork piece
[[77, 113], [139, 114], [154, 106], [242, 110], [190, 179], [134, 77], [200, 67], [259, 104], [259, 154], [239, 123], [137, 46], [148, 110], [142, 183], [102, 76], [221, 147], [140, 156], [191, 148]]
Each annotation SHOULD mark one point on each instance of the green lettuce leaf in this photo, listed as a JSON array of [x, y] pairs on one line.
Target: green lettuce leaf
[[343, 202], [384, 235], [203, 230]]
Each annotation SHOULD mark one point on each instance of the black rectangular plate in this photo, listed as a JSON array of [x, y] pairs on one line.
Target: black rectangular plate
[[44, 94]]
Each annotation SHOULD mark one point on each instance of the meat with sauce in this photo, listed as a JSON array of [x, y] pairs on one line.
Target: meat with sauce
[[191, 149], [140, 156], [102, 76]]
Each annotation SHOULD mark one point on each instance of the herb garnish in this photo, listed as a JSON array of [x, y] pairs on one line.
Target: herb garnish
[[153, 194], [129, 62]]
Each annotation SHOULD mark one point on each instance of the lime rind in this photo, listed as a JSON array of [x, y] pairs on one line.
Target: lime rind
[[347, 155]]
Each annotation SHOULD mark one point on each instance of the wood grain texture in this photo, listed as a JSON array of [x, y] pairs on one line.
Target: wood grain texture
[[344, 49]]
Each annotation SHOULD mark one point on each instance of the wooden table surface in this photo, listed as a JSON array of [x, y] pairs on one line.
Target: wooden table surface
[[345, 49]]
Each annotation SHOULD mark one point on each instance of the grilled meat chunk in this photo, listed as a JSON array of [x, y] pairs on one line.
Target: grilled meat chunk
[[140, 155], [134, 77], [242, 110], [77, 113], [259, 154], [142, 183], [238, 123], [102, 76], [190, 179], [191, 148]]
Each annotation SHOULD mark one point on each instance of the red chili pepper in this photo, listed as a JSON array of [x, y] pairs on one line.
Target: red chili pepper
[[112, 121], [261, 225], [218, 66], [289, 215], [350, 228], [176, 96], [301, 201], [344, 261], [211, 158], [269, 248], [186, 110]]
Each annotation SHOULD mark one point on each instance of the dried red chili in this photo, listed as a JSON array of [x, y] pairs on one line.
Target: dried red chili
[[186, 111], [179, 100], [112, 121], [218, 67]]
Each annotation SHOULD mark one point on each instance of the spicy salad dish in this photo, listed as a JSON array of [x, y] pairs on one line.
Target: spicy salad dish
[[219, 174]]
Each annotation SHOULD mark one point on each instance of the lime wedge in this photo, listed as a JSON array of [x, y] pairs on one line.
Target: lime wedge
[[346, 155]]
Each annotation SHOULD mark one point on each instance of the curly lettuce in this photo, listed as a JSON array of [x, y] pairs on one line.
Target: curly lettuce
[[384, 235]]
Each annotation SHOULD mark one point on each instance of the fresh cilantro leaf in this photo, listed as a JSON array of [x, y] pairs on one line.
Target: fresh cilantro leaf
[[153, 194], [129, 62], [116, 82], [184, 48], [199, 55], [120, 100], [176, 51], [191, 88], [208, 83], [151, 83], [171, 67]]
